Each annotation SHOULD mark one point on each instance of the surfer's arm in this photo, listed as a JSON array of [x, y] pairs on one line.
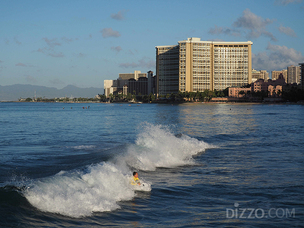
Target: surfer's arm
[[134, 182]]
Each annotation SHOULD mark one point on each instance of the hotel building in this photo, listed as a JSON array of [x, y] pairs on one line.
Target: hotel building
[[195, 65], [259, 74], [302, 74], [135, 83], [294, 74], [275, 74]]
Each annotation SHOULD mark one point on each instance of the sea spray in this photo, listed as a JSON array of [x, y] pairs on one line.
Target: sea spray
[[100, 187], [80, 193], [156, 146]]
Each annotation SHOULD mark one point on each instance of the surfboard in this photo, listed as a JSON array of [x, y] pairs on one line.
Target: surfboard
[[142, 187]]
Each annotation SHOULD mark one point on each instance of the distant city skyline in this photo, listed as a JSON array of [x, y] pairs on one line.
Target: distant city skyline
[[83, 43]]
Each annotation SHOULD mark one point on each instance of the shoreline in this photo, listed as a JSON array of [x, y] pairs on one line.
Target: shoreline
[[161, 102]]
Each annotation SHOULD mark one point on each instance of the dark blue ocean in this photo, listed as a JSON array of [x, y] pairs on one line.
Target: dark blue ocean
[[209, 165]]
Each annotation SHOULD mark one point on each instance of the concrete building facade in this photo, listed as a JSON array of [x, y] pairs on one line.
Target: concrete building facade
[[294, 74], [110, 86], [137, 74], [259, 74], [135, 83], [302, 75], [274, 88], [167, 69], [275, 74], [195, 65]]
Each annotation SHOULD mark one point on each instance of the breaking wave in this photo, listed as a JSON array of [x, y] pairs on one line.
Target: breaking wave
[[100, 187]]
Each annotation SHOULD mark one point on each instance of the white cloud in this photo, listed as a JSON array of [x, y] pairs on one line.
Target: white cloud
[[252, 25], [251, 21], [227, 31], [255, 25], [288, 31], [276, 58], [109, 32], [118, 16]]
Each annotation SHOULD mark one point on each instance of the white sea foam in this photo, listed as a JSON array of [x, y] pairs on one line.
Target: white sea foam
[[100, 187], [156, 146], [80, 193], [84, 147]]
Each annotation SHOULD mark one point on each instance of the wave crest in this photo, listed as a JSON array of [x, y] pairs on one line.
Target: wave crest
[[100, 187]]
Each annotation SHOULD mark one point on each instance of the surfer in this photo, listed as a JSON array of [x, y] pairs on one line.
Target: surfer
[[135, 180]]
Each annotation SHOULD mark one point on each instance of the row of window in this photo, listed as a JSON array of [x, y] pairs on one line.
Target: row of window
[[234, 45], [230, 50]]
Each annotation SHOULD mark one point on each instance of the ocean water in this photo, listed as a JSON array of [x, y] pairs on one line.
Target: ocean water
[[209, 165]]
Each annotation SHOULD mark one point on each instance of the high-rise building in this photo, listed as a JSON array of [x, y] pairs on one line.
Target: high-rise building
[[137, 74], [151, 82], [259, 74], [275, 74], [167, 69], [134, 83], [195, 65], [110, 86], [294, 74], [302, 74], [232, 64]]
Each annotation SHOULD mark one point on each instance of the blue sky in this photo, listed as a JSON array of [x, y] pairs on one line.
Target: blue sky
[[76, 42]]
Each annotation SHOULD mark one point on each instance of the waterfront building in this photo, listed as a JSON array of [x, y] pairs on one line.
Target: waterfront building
[[137, 74], [294, 74], [259, 86], [273, 88], [110, 86], [257, 74], [275, 74], [238, 92], [135, 83], [195, 65], [138, 87], [302, 74], [151, 83], [167, 69]]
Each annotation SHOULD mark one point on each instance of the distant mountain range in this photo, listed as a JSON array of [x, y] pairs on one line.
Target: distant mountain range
[[14, 92]]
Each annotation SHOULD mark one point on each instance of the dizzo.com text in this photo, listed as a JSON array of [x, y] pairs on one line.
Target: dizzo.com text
[[258, 213]]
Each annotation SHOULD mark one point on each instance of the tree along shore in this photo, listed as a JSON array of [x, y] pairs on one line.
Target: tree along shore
[[291, 95]]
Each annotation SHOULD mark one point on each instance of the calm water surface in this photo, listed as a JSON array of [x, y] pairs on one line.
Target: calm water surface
[[210, 165]]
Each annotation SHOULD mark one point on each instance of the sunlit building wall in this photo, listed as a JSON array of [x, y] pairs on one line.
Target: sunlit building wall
[[257, 74], [109, 86], [232, 64], [195, 65], [294, 74], [137, 74]]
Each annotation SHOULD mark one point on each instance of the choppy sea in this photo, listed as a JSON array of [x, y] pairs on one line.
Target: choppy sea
[[209, 165]]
